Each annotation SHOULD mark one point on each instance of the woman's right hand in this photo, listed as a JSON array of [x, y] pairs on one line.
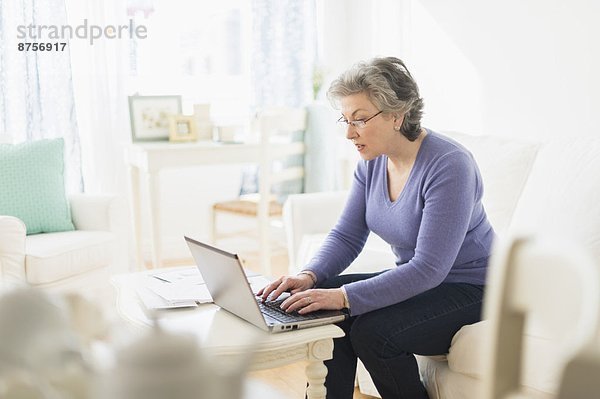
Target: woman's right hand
[[291, 284]]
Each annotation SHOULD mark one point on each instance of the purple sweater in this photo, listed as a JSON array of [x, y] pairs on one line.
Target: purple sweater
[[437, 227]]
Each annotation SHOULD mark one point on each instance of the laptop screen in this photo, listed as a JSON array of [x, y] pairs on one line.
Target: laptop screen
[[226, 281]]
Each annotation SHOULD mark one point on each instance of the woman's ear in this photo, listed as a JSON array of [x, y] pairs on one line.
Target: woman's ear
[[398, 121]]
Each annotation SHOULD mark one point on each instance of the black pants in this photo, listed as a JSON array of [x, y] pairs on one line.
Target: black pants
[[387, 339]]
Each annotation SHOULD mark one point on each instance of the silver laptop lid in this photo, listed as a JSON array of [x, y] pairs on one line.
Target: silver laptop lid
[[226, 281]]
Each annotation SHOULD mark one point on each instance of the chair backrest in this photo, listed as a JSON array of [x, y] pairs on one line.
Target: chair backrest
[[276, 126], [548, 289]]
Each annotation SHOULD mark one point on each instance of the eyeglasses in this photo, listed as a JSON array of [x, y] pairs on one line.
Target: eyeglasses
[[359, 123]]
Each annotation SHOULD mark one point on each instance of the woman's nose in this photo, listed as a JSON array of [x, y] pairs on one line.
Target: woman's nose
[[351, 132]]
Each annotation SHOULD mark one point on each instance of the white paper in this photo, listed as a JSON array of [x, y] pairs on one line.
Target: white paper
[[189, 274], [154, 301], [182, 291]]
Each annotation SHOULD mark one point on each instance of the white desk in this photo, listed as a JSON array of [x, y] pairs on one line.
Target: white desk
[[147, 160], [227, 335]]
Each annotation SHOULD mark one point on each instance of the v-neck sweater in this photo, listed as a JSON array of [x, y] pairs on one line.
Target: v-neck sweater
[[437, 228]]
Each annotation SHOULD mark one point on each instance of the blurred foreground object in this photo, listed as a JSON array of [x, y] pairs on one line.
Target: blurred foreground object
[[525, 298], [40, 356], [164, 365]]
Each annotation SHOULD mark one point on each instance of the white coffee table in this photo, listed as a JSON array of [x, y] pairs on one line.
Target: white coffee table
[[229, 336]]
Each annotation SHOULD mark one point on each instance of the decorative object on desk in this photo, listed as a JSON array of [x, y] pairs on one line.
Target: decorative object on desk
[[204, 125], [165, 365], [228, 133], [182, 128], [150, 116]]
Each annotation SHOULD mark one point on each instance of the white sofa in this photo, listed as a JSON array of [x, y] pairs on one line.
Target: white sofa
[[77, 260], [549, 188]]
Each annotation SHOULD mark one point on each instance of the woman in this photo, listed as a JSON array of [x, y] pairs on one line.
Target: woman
[[419, 191]]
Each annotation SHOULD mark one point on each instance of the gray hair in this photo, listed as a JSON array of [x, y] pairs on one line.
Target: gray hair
[[389, 86]]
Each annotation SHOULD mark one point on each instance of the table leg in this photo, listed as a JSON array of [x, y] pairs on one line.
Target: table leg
[[316, 371], [136, 206], [154, 219]]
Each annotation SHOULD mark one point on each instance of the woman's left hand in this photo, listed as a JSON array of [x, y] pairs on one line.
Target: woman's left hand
[[314, 299]]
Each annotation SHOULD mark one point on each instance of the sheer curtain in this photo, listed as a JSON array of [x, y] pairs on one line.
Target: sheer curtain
[[36, 88], [100, 77], [284, 50], [283, 57]]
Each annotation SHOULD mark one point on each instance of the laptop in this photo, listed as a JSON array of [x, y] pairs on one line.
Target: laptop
[[227, 283]]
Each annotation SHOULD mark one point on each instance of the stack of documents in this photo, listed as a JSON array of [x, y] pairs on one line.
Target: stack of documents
[[182, 287]]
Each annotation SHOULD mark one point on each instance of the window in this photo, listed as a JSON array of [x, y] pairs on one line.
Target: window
[[197, 49]]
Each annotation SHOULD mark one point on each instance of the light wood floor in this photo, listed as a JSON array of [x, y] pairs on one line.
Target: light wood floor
[[289, 380]]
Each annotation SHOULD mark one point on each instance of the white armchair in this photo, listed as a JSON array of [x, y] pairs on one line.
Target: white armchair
[[76, 260], [309, 217]]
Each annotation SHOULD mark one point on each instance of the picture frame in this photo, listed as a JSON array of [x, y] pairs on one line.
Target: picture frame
[[182, 128], [149, 116]]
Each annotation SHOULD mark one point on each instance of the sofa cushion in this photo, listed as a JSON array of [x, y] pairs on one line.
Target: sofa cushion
[[542, 357], [443, 383], [562, 196], [55, 256], [33, 187], [505, 165]]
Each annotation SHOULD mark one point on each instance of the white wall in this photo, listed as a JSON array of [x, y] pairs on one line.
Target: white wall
[[521, 68]]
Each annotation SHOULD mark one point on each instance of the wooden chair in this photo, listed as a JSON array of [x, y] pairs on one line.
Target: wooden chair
[[274, 127], [542, 289]]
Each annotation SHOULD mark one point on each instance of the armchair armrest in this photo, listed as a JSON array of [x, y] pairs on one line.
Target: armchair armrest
[[104, 212], [12, 250], [309, 217], [97, 212], [313, 213]]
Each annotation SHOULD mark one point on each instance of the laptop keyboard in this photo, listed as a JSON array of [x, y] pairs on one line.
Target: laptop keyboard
[[272, 309]]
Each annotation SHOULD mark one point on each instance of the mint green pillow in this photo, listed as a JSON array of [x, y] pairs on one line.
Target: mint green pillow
[[32, 185]]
